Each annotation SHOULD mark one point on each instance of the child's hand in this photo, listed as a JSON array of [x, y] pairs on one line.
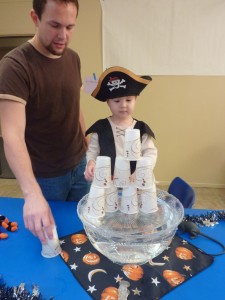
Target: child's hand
[[132, 177], [90, 169]]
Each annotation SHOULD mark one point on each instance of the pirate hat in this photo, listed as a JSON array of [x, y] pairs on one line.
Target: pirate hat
[[119, 82]]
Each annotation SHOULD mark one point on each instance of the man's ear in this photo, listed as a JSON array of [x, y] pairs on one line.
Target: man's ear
[[34, 17]]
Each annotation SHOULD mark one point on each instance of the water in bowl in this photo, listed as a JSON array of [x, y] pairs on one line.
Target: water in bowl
[[136, 238]]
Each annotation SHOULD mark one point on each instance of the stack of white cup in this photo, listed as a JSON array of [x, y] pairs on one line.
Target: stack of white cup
[[102, 175], [135, 196], [96, 202], [144, 188], [121, 172], [129, 200], [103, 196], [132, 144], [145, 182]]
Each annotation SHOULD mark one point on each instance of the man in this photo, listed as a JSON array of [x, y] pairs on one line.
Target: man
[[41, 122]]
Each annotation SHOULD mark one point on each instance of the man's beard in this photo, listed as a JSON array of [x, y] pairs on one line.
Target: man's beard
[[55, 52]]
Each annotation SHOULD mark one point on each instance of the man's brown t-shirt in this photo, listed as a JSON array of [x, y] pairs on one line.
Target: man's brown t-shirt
[[50, 89]]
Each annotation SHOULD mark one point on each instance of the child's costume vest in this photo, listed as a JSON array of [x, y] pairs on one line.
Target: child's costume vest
[[106, 140]]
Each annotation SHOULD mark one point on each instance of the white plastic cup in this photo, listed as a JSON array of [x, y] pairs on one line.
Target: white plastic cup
[[52, 248], [102, 174], [96, 202], [129, 200], [132, 144], [111, 202], [148, 200], [121, 176], [144, 177]]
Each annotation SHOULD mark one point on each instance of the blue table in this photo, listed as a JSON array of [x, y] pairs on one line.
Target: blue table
[[21, 260]]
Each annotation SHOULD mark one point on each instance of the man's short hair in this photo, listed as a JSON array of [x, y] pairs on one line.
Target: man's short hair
[[39, 5]]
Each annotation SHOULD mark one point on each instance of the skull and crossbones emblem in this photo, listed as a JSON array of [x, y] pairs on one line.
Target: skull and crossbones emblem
[[116, 83]]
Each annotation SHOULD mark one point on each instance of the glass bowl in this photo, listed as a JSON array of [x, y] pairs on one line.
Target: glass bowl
[[133, 238]]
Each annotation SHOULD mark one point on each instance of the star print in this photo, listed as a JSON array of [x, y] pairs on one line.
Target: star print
[[91, 289], [61, 242], [77, 249], [155, 281], [136, 291], [166, 258], [118, 278], [184, 242], [73, 267], [187, 268]]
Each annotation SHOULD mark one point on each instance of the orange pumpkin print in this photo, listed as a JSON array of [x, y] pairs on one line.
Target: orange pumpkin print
[[133, 272], [173, 278], [91, 259], [110, 293], [184, 253], [65, 255], [78, 239]]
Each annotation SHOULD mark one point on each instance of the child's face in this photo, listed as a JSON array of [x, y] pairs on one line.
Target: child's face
[[122, 107]]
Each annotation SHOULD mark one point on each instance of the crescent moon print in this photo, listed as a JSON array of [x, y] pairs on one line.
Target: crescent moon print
[[101, 278], [152, 263], [91, 273]]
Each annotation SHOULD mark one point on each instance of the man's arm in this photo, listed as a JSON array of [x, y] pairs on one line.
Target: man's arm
[[36, 212]]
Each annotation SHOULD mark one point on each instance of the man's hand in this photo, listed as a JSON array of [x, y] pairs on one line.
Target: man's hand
[[37, 214]]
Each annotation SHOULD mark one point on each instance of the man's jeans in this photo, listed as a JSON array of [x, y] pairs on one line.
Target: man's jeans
[[71, 186]]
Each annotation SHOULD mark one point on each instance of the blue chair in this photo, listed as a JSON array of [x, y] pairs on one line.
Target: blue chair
[[182, 191]]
